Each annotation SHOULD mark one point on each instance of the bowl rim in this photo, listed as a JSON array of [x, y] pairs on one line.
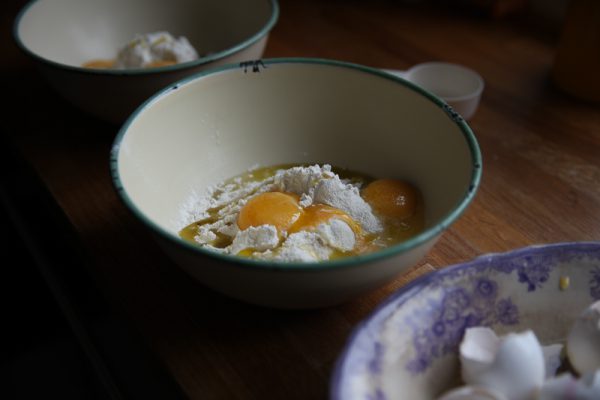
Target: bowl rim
[[391, 303], [347, 262], [262, 32]]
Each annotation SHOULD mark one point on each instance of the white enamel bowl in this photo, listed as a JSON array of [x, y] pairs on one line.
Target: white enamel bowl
[[61, 35], [218, 124], [407, 349]]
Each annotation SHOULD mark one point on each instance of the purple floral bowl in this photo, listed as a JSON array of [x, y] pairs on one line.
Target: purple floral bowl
[[407, 348]]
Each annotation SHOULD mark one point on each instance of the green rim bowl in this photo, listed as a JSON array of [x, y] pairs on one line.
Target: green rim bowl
[[61, 35], [219, 123]]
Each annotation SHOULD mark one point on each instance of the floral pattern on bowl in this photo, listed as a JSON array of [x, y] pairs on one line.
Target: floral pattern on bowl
[[407, 348]]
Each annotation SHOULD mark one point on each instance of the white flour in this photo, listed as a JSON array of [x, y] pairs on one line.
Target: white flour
[[314, 184], [154, 47], [337, 234], [302, 246], [258, 238], [346, 197]]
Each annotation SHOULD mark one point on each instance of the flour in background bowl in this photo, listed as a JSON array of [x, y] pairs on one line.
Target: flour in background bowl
[[156, 49]]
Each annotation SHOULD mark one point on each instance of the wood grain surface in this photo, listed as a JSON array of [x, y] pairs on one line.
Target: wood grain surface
[[541, 184]]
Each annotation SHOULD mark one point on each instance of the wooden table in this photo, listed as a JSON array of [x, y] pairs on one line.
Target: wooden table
[[541, 184]]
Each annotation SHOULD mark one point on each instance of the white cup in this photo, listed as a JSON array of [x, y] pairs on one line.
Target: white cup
[[458, 86]]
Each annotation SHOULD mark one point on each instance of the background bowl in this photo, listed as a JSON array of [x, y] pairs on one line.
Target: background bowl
[[218, 124], [408, 348], [61, 35]]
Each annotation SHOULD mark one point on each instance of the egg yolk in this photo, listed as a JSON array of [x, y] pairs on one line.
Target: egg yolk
[[283, 211], [271, 208], [391, 198], [317, 214]]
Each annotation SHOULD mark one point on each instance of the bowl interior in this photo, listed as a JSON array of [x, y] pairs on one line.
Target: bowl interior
[[220, 124], [407, 349], [72, 32]]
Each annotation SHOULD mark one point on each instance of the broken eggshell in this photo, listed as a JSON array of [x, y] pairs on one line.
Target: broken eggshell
[[552, 358], [512, 365], [583, 342]]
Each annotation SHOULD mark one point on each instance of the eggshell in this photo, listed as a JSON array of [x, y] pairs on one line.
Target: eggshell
[[583, 342], [512, 365], [552, 358], [477, 351]]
